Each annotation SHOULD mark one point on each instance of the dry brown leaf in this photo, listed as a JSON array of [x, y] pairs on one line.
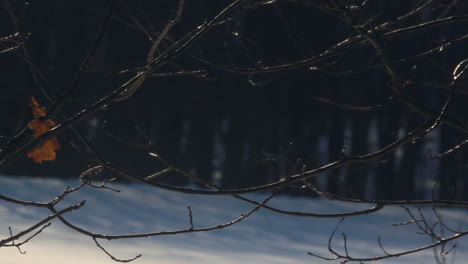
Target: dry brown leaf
[[47, 150], [38, 111]]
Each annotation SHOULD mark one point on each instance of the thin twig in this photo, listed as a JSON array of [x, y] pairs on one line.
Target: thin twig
[[42, 222], [112, 256], [190, 217]]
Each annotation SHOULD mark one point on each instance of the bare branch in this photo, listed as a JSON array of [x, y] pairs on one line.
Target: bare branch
[[190, 217], [42, 222], [355, 108], [112, 256]]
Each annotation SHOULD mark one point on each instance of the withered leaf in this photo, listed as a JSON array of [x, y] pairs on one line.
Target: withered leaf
[[38, 111], [47, 150]]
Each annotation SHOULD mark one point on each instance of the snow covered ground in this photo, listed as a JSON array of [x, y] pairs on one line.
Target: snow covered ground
[[263, 238]]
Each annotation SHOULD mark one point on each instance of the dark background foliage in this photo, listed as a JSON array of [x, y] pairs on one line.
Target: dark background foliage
[[235, 129]]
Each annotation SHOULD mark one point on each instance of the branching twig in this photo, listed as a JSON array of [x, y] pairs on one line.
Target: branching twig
[[112, 256], [42, 222]]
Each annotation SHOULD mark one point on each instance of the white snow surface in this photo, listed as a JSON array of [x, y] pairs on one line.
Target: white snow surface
[[263, 238]]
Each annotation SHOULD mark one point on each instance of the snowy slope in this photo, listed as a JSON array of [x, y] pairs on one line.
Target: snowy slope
[[265, 237]]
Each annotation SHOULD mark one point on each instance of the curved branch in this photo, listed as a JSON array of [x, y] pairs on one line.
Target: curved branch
[[340, 48], [42, 222], [348, 258], [112, 256], [21, 202], [450, 150], [163, 233], [355, 108], [373, 209]]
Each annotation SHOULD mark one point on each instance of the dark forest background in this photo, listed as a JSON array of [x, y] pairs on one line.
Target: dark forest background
[[235, 129]]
